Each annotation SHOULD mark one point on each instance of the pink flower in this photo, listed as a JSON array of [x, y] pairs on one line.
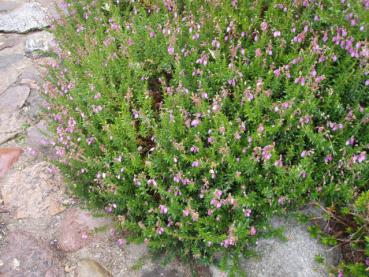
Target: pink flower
[[151, 182], [163, 209], [176, 179], [186, 212], [247, 212], [96, 109], [218, 193], [300, 80], [215, 44], [249, 96], [80, 28], [264, 26], [195, 164], [350, 141], [114, 26], [266, 152], [171, 50], [159, 230], [276, 34], [228, 242], [328, 158], [361, 157], [252, 231], [195, 122], [60, 151], [258, 52], [260, 129], [90, 140], [121, 242], [281, 200], [279, 162], [194, 149]]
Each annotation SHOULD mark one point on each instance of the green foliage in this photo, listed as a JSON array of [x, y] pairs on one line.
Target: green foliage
[[196, 121]]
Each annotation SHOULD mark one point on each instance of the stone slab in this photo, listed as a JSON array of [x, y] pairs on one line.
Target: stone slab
[[24, 255], [11, 125], [77, 229], [292, 258], [25, 18], [35, 191], [13, 99]]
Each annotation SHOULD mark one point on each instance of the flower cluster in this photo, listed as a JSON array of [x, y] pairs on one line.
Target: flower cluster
[[199, 119]]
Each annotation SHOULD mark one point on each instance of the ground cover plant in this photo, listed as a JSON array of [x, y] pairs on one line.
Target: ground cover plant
[[195, 121]]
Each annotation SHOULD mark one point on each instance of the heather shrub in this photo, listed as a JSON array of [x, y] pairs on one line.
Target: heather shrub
[[195, 121]]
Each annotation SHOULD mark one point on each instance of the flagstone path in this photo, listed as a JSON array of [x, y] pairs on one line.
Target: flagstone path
[[44, 231]]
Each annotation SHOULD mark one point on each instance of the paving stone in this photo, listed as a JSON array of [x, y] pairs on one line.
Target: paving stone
[[24, 255], [35, 191], [292, 258], [8, 77], [160, 271], [25, 18], [8, 41], [37, 141], [6, 6], [91, 268], [11, 67], [216, 272], [13, 98], [10, 126], [8, 156], [77, 229], [8, 60]]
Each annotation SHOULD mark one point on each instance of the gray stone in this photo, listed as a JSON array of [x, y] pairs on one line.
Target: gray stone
[[8, 41], [292, 258], [8, 60], [38, 44], [91, 268], [10, 126], [36, 102], [160, 271], [10, 69], [13, 99], [35, 191], [77, 229], [8, 77], [6, 6], [24, 255], [216, 272], [37, 140], [27, 17]]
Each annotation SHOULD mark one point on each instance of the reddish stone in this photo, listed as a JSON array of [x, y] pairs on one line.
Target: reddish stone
[[8, 156]]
